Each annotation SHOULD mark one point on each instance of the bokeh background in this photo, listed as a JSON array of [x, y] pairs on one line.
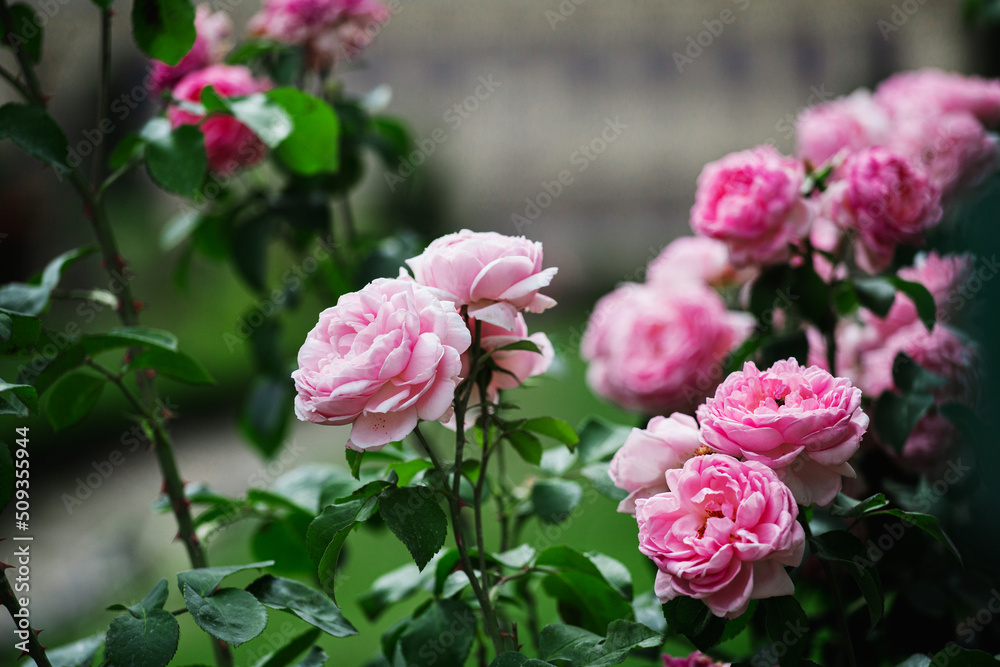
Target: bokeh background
[[559, 73]]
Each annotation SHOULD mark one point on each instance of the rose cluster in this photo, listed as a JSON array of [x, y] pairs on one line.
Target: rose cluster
[[395, 352]]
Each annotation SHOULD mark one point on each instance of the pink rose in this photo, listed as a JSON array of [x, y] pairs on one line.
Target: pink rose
[[214, 30], [721, 534], [640, 466], [935, 90], [494, 275], [803, 422], [879, 195], [517, 365], [752, 202], [846, 125], [695, 258], [328, 30], [932, 441], [381, 359], [696, 659], [657, 349], [229, 143]]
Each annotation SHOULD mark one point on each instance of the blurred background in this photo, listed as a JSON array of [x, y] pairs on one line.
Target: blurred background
[[519, 88]]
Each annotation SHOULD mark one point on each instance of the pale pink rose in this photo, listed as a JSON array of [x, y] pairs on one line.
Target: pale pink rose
[[229, 143], [494, 275], [802, 421], [935, 90], [842, 126], [696, 659], [381, 359], [752, 202], [328, 30], [953, 150], [722, 534], [640, 466], [516, 365], [825, 235], [660, 350], [214, 30], [886, 201], [695, 258]]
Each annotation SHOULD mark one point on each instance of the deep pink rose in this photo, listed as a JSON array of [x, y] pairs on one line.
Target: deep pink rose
[[937, 91], [494, 275], [381, 359], [329, 30], [722, 534], [640, 466], [886, 201], [229, 143], [658, 349], [801, 421], [752, 202], [694, 258], [696, 659], [214, 30], [846, 125]]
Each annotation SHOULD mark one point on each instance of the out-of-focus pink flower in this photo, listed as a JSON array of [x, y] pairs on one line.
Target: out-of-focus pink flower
[[381, 359], [214, 30], [883, 198], [696, 659], [229, 143], [803, 422], [752, 202], [846, 125], [660, 350], [494, 275], [640, 466], [932, 441], [721, 534], [696, 258], [933, 90], [329, 30]]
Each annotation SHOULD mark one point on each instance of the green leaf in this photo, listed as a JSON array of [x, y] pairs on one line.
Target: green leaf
[[694, 620], [6, 476], [614, 572], [148, 641], [33, 298], [24, 33], [527, 445], [921, 297], [267, 414], [249, 249], [316, 657], [553, 428], [264, 116], [308, 604], [230, 614], [354, 458], [130, 148], [72, 398], [414, 516], [18, 332], [522, 345], [896, 416], [164, 29], [314, 143], [393, 587], [34, 132], [285, 655], [585, 597], [421, 642], [154, 600], [586, 649], [600, 439], [129, 337], [785, 621], [327, 534], [76, 654], [175, 159], [956, 656], [769, 292], [910, 377], [17, 399], [176, 365], [512, 659], [555, 499], [927, 523], [313, 486], [876, 294], [283, 540], [841, 546], [407, 470], [597, 473], [205, 580], [849, 507]]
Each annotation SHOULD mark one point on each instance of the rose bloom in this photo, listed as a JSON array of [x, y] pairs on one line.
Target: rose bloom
[[696, 659], [883, 198], [494, 275], [517, 365], [657, 349], [640, 466], [846, 125], [229, 143], [328, 30], [801, 421], [214, 30], [752, 202], [381, 359], [695, 258], [936, 90], [722, 534]]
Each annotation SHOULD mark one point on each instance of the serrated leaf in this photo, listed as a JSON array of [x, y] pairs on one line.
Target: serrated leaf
[[307, 603], [555, 499], [927, 523], [150, 641], [34, 132], [391, 588], [849, 507], [72, 398], [600, 439], [230, 614], [694, 620], [205, 580], [175, 158], [586, 649], [285, 655], [526, 445], [553, 428], [453, 617], [414, 516]]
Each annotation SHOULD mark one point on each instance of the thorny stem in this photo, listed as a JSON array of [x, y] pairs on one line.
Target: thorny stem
[[9, 600]]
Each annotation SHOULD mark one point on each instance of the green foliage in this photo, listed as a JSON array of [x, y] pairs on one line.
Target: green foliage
[[34, 132], [73, 397], [584, 596], [163, 29], [414, 516], [842, 547], [313, 145], [555, 499], [205, 580], [33, 298], [586, 649], [229, 614], [691, 618], [145, 637], [24, 34], [175, 158], [421, 639], [287, 654], [267, 414], [787, 627], [308, 604]]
